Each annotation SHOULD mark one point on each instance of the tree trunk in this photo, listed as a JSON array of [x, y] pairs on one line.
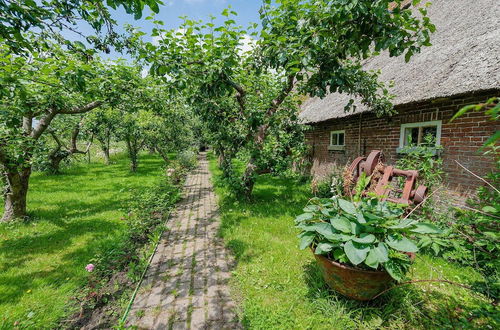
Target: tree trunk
[[105, 152], [225, 163], [162, 154], [132, 153], [249, 177], [55, 162], [104, 142], [15, 196]]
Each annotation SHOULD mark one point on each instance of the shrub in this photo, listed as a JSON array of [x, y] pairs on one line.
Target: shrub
[[331, 185], [424, 158], [188, 159], [476, 241]]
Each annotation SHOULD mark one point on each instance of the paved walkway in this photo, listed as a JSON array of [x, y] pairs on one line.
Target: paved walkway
[[186, 285]]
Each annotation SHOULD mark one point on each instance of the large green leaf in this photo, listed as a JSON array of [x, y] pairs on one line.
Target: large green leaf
[[361, 218], [341, 224], [311, 208], [394, 270], [347, 206], [493, 139], [304, 217], [306, 239], [364, 238], [306, 227], [356, 252], [402, 244], [326, 247], [372, 259], [404, 224], [325, 229], [382, 253], [426, 228]]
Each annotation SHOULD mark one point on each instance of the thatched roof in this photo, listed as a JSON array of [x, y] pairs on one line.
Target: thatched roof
[[464, 57]]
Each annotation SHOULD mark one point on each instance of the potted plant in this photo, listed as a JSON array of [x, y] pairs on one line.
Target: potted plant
[[362, 245]]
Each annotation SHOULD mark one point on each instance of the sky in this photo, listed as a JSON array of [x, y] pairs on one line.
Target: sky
[[248, 12]]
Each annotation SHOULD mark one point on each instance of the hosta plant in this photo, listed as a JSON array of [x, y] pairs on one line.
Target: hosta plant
[[367, 233]]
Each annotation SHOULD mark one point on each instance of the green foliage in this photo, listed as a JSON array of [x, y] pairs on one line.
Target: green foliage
[[248, 100], [188, 159], [49, 18], [426, 160], [369, 233], [283, 287], [322, 188], [44, 94], [491, 108], [331, 185], [472, 236]]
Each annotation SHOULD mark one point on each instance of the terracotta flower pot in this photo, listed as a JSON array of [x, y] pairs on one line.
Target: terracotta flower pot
[[354, 283]]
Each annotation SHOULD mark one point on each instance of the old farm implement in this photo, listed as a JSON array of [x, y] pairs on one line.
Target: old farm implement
[[395, 185]]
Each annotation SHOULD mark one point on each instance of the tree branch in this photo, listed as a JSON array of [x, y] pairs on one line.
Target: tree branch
[[74, 137], [43, 124], [240, 95], [275, 104], [282, 96], [28, 124], [477, 176], [82, 109], [56, 138]]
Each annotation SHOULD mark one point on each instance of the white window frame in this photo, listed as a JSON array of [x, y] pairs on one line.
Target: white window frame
[[437, 123], [336, 146]]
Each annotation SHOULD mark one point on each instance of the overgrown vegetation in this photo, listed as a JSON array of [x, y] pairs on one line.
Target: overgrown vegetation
[[280, 286], [79, 217]]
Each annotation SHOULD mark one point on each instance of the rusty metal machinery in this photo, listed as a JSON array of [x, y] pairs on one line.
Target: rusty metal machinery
[[385, 179]]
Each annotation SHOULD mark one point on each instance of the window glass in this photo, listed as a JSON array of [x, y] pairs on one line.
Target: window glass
[[337, 138], [421, 135], [341, 139]]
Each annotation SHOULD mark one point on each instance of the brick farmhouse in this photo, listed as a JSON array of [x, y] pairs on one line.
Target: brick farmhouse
[[461, 67]]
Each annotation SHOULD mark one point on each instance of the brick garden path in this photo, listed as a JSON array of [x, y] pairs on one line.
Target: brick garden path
[[186, 284]]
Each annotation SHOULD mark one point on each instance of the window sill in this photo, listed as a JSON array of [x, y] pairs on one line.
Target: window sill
[[336, 148], [406, 150]]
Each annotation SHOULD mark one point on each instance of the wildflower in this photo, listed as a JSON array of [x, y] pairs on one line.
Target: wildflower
[[90, 268]]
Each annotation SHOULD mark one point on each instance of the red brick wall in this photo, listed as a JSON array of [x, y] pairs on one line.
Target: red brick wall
[[461, 139]]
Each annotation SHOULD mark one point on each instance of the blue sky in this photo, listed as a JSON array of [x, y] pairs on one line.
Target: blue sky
[[248, 12]]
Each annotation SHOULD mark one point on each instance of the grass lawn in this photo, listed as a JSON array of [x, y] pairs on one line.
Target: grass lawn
[[279, 286], [74, 215]]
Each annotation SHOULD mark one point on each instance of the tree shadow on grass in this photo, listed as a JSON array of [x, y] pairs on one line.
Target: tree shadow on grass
[[18, 252], [409, 303], [272, 197]]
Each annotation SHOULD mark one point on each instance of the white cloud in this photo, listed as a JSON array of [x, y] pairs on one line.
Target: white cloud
[[247, 43]]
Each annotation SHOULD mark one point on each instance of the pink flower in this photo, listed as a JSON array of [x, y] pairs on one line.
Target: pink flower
[[90, 268]]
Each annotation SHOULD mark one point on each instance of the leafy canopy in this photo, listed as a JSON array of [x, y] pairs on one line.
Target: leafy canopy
[[248, 99], [47, 18]]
